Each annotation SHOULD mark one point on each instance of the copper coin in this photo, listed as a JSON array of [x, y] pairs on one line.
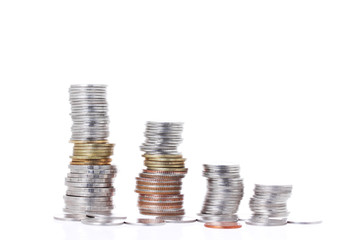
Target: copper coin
[[160, 188], [156, 176], [162, 169], [159, 207], [175, 173], [160, 203], [223, 225], [154, 180], [161, 198], [158, 183], [157, 192]]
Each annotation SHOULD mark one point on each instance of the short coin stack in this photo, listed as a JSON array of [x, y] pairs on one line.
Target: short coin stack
[[89, 183], [269, 205], [225, 191], [159, 186]]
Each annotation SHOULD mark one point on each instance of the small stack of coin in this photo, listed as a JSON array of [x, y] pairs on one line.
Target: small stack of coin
[[269, 205], [159, 186], [225, 191], [90, 153], [90, 181], [89, 113]]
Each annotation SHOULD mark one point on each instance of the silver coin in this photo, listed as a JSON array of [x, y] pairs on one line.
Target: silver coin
[[105, 216], [102, 222], [272, 222], [304, 222], [91, 190], [146, 222], [177, 219], [79, 175], [69, 217], [89, 180], [88, 185]]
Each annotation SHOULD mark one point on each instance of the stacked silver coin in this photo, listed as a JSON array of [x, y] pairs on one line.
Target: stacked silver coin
[[159, 185], [90, 180], [90, 189], [162, 138], [89, 112], [225, 191], [269, 205]]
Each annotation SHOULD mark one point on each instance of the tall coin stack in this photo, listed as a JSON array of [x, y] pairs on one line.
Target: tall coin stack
[[90, 181], [269, 205], [159, 185], [225, 191]]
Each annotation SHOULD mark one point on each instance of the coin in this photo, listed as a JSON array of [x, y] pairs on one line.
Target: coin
[[102, 222], [223, 225], [225, 192], [90, 181], [268, 205], [145, 222], [69, 217], [177, 219]]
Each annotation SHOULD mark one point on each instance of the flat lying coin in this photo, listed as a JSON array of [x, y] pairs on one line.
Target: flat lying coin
[[146, 222], [177, 219], [69, 217], [223, 225], [102, 222]]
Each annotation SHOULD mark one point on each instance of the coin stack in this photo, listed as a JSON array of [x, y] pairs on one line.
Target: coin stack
[[225, 191], [89, 183], [269, 205], [159, 185]]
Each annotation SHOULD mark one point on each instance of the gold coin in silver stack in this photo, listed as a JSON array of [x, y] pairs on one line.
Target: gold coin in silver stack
[[225, 190], [159, 185], [269, 205], [90, 180]]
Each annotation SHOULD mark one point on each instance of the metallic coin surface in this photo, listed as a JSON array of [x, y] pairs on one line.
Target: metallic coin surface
[[223, 225]]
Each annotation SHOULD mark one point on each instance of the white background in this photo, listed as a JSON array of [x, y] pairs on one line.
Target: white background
[[270, 85]]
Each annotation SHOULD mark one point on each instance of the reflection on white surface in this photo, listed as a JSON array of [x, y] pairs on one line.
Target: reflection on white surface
[[78, 231]]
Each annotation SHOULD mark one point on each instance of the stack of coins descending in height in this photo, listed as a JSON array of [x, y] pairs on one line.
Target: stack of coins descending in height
[[159, 185], [225, 191], [269, 205], [89, 183]]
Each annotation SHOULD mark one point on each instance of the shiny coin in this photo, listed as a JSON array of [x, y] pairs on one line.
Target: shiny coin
[[102, 222], [69, 217], [177, 219], [223, 225], [146, 222]]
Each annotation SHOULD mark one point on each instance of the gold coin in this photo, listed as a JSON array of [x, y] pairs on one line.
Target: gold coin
[[92, 160], [163, 163], [164, 166], [99, 160], [72, 163], [87, 157], [90, 155], [167, 169], [87, 142], [94, 150], [161, 156], [166, 159], [90, 144]]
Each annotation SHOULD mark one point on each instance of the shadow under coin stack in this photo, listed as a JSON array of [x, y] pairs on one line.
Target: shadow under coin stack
[[159, 186], [89, 183], [225, 191], [269, 205]]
